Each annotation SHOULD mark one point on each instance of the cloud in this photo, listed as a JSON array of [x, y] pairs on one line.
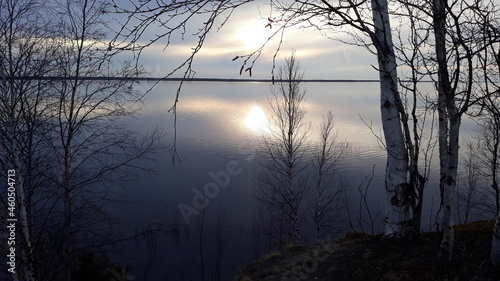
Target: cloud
[[245, 32]]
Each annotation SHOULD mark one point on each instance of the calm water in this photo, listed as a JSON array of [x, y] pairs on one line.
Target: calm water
[[218, 125]]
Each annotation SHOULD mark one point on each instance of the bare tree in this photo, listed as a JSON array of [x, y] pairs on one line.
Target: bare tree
[[468, 183], [418, 116], [209, 235], [489, 132], [59, 134], [366, 215], [459, 39], [282, 184], [90, 147], [490, 154], [447, 110], [26, 51], [462, 31], [329, 187]]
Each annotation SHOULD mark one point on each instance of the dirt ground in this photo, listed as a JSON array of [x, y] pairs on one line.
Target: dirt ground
[[363, 257]]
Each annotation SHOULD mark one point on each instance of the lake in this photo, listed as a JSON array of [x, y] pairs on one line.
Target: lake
[[218, 125]]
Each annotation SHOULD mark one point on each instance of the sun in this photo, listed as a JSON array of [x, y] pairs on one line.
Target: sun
[[256, 120], [254, 34]]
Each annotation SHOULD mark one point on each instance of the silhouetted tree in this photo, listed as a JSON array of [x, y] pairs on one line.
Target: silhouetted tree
[[460, 37], [282, 183], [489, 124], [328, 154], [91, 149], [418, 116], [59, 131], [26, 52], [469, 183]]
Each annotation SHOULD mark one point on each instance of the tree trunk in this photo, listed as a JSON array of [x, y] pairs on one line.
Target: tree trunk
[[495, 243], [448, 149], [26, 249], [442, 140], [68, 224], [449, 189], [417, 208], [398, 209], [295, 223]]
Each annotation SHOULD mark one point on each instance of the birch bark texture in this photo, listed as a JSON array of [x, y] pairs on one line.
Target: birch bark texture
[[448, 132], [398, 193], [462, 33], [444, 91]]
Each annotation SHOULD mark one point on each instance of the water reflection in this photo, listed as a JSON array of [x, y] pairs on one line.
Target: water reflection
[[219, 112], [218, 123]]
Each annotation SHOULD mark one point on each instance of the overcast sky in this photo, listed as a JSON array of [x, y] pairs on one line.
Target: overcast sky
[[320, 57]]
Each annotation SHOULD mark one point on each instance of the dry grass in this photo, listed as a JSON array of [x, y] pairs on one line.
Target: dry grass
[[376, 258]]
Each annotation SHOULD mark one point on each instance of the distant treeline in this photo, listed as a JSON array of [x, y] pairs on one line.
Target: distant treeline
[[188, 79]]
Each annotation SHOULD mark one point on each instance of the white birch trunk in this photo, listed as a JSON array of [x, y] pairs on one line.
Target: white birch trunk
[[398, 210], [5, 236], [449, 188], [495, 243], [26, 251], [442, 140], [453, 118]]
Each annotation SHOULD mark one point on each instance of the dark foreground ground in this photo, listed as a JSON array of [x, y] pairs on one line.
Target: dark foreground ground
[[362, 257]]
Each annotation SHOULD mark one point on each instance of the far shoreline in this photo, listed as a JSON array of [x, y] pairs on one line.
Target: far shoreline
[[172, 79]]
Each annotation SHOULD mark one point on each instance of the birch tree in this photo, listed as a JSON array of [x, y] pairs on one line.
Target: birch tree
[[89, 145], [371, 23], [459, 39], [398, 190], [489, 134], [25, 51], [59, 135], [418, 118], [327, 156], [283, 183], [447, 110]]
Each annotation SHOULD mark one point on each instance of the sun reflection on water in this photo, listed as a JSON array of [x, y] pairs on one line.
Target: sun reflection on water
[[256, 120]]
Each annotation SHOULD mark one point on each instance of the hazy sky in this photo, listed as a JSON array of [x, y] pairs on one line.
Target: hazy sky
[[320, 57]]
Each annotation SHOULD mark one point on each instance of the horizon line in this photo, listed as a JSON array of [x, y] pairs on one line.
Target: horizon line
[[194, 79]]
